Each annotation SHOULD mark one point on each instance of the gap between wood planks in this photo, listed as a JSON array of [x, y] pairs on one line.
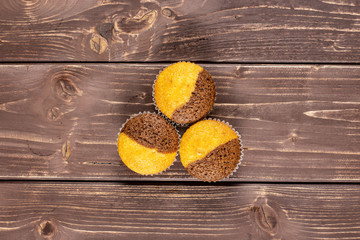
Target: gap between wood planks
[[198, 62], [173, 183]]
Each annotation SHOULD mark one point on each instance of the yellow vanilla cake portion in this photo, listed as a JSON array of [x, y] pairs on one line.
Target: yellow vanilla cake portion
[[141, 159], [202, 138], [174, 86]]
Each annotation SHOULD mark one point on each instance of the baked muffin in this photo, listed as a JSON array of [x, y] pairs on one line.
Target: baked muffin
[[184, 92], [147, 143], [210, 150]]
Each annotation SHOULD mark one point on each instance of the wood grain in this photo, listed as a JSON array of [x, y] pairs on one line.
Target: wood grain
[[209, 30], [298, 123], [32, 210]]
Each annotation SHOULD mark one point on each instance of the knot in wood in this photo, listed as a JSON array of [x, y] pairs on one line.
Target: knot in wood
[[105, 30], [54, 113], [134, 25], [66, 150], [66, 88], [98, 44], [167, 12], [47, 229], [265, 217]]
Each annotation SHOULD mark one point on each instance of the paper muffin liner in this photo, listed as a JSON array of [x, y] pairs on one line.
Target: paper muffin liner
[[241, 148], [177, 152], [163, 115]]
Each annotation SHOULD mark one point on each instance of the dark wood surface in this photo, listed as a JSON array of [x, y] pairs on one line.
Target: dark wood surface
[[71, 73], [33, 210], [209, 30], [298, 122]]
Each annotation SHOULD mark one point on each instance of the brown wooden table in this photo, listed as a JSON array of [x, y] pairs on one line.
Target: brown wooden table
[[287, 76]]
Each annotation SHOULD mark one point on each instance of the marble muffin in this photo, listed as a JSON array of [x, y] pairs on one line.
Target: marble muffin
[[210, 150], [184, 92], [148, 144]]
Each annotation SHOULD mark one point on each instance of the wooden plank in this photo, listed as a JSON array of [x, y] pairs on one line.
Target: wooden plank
[[298, 122], [31, 210], [232, 31]]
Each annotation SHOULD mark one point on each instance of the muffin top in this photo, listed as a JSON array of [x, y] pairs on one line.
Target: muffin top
[[147, 144], [184, 92], [210, 150]]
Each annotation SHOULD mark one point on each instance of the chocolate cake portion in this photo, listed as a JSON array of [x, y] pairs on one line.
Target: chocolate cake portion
[[152, 131], [200, 103], [218, 164]]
